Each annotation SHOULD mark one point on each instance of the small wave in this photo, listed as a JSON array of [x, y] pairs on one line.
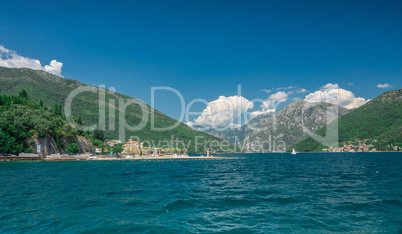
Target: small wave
[[392, 202], [346, 206], [263, 192], [133, 203], [179, 205], [282, 200], [231, 202]]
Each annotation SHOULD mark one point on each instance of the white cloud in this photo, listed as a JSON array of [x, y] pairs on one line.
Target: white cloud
[[295, 99], [330, 86], [350, 83], [301, 90], [233, 125], [265, 90], [279, 96], [54, 67], [274, 99], [190, 124], [263, 111], [286, 88], [223, 111], [333, 94], [10, 58], [384, 86]]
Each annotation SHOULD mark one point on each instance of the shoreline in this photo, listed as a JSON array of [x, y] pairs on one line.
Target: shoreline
[[108, 158], [150, 158]]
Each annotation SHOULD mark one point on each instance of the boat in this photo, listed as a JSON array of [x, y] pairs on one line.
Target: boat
[[293, 151]]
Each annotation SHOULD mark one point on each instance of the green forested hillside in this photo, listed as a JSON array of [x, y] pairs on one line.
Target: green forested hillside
[[53, 90], [21, 118], [380, 119]]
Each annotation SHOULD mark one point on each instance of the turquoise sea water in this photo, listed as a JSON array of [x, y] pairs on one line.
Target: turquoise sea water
[[263, 193]]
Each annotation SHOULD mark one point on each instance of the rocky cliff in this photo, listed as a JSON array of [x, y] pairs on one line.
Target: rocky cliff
[[275, 132], [287, 126], [49, 145]]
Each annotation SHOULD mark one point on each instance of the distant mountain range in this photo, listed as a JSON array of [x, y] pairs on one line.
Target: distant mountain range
[[53, 90], [379, 121], [273, 132], [236, 135]]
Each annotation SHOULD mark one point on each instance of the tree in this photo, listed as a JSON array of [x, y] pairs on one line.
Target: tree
[[57, 110], [99, 134], [21, 117], [72, 148], [97, 143], [7, 143], [117, 149], [23, 93], [78, 120]]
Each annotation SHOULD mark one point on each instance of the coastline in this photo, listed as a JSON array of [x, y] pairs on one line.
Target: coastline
[[108, 158], [149, 158]]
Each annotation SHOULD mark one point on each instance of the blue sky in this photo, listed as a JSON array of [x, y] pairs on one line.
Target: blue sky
[[204, 49]]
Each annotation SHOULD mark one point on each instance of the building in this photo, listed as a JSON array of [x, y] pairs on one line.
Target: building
[[132, 147], [130, 143], [112, 143]]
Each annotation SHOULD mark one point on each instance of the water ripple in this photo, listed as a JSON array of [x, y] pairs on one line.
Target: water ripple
[[262, 193]]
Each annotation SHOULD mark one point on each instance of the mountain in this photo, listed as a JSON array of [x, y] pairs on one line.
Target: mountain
[[275, 132], [236, 135], [285, 127], [54, 90], [378, 121]]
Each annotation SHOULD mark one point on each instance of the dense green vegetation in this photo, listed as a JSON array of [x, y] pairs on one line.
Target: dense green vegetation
[[72, 148], [21, 118], [54, 90], [379, 119], [117, 149]]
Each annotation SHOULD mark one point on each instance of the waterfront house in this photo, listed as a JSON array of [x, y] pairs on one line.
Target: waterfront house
[[132, 147]]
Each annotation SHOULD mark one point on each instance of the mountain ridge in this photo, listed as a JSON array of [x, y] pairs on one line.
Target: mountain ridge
[[286, 126], [53, 90], [289, 121], [378, 120]]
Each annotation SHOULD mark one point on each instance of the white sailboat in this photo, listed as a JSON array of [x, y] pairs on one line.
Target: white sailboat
[[293, 151]]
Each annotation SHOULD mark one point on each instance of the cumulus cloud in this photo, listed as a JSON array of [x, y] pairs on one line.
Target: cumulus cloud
[[54, 67], [10, 58], [190, 124], [384, 86], [330, 86], [223, 111], [260, 112], [275, 98], [331, 93], [279, 96]]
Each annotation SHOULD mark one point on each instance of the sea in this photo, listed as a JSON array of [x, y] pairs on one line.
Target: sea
[[274, 193]]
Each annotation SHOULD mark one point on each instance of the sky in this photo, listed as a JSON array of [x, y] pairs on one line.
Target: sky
[[206, 49]]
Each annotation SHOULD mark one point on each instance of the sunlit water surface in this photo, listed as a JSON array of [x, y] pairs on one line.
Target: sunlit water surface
[[340, 192]]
